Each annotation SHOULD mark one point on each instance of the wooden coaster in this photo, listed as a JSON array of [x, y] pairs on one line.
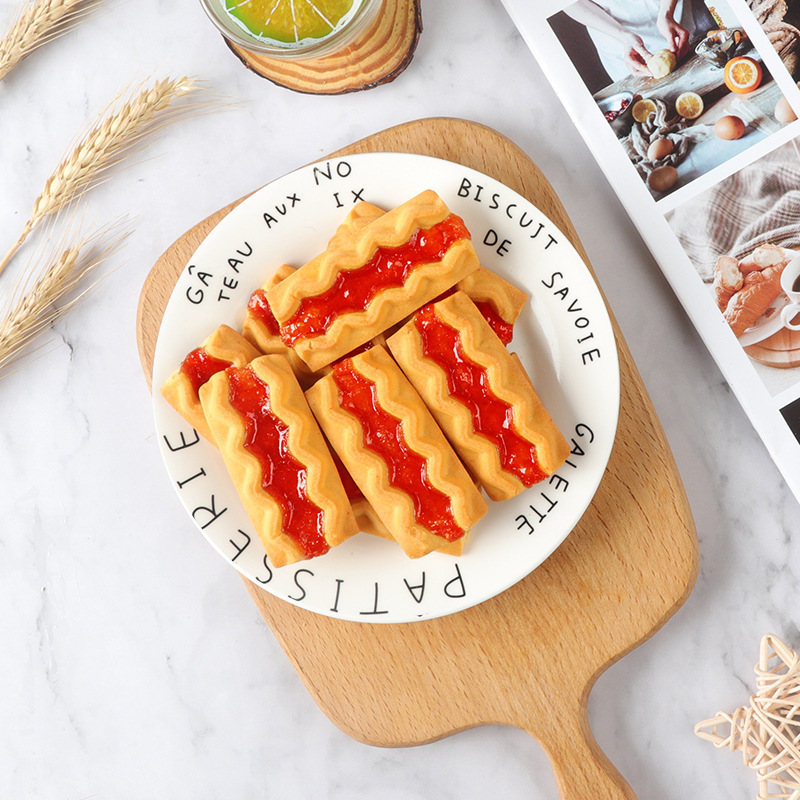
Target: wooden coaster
[[378, 56]]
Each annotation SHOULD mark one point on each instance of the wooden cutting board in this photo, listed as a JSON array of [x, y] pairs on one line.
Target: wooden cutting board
[[529, 657]]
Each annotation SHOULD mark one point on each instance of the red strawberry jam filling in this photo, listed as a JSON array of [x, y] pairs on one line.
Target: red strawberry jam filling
[[503, 329], [199, 366], [283, 477], [468, 382], [259, 308], [354, 289], [383, 435]]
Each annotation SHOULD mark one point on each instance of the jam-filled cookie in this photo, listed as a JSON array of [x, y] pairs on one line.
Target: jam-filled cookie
[[480, 395], [395, 452], [223, 348], [360, 215], [261, 328], [278, 460], [368, 520], [499, 301], [372, 279]]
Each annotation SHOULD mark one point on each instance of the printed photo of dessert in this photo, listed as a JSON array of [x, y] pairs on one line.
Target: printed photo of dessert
[[743, 238], [683, 91], [749, 292]]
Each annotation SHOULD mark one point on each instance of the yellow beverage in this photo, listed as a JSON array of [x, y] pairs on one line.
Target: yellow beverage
[[291, 28], [290, 21]]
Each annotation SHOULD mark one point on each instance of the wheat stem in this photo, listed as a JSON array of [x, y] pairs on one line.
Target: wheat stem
[[123, 127], [9, 255], [30, 315], [37, 23], [31, 312], [105, 144]]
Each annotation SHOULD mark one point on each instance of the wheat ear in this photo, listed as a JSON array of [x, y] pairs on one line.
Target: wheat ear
[[30, 311], [36, 23], [123, 127]]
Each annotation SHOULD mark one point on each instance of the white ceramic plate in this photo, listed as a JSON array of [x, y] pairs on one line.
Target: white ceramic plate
[[564, 338]]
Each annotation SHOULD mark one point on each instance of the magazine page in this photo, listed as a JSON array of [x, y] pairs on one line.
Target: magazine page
[[690, 109]]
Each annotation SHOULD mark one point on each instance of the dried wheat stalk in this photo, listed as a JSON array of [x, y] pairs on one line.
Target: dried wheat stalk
[[31, 309], [36, 23], [129, 118]]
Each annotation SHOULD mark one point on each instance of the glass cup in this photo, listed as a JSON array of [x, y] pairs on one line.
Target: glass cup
[[790, 283], [347, 29]]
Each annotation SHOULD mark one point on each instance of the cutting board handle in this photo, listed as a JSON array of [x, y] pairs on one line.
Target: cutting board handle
[[581, 768]]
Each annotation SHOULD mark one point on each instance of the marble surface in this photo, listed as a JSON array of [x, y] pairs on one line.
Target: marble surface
[[133, 663]]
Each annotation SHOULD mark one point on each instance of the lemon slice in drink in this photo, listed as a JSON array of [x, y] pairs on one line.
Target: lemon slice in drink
[[287, 22]]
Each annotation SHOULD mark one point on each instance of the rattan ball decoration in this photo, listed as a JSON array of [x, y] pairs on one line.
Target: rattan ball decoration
[[767, 732]]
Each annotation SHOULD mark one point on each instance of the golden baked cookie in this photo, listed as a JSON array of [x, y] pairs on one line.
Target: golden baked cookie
[[368, 520], [372, 279], [223, 348], [278, 460], [360, 215], [261, 328], [480, 395], [395, 452], [499, 301]]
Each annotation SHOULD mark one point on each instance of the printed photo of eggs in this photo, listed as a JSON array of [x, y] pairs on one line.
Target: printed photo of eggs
[[683, 91]]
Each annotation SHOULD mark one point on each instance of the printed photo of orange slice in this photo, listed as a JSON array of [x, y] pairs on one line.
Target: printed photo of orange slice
[[743, 74], [689, 105], [642, 109], [290, 21]]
